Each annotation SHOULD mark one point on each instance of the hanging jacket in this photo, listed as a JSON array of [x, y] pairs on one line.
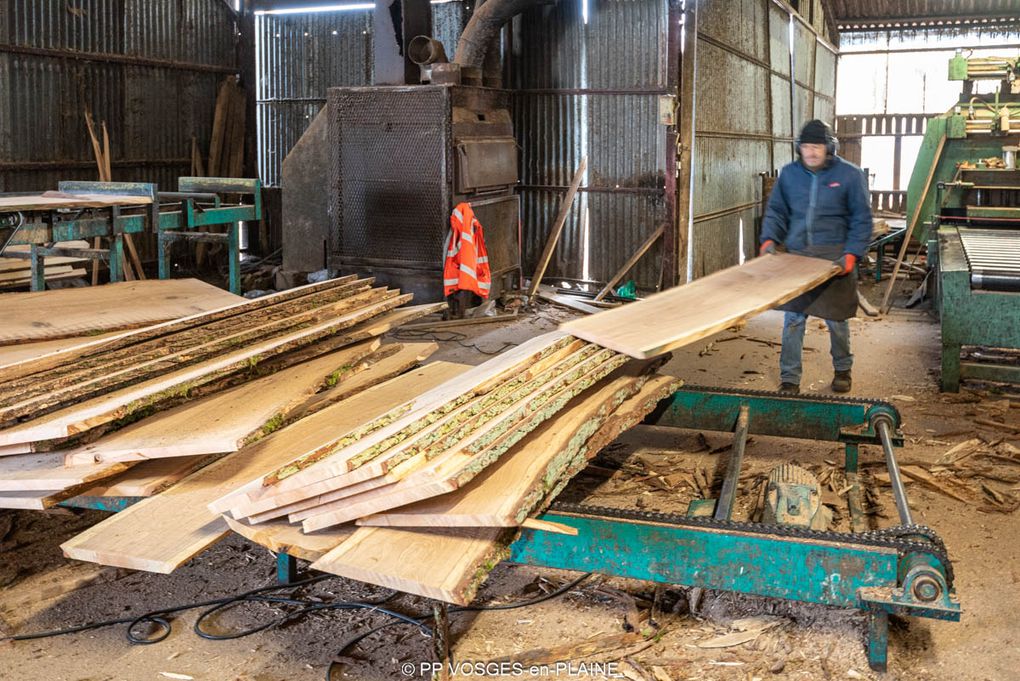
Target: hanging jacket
[[467, 263]]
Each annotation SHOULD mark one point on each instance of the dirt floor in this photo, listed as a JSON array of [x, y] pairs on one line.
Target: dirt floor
[[693, 635]]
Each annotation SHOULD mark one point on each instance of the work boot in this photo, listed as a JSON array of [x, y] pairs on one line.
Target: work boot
[[841, 382], [789, 389]]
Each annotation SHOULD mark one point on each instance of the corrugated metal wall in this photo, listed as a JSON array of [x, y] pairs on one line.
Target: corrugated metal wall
[[743, 125], [148, 69], [299, 56], [592, 90]]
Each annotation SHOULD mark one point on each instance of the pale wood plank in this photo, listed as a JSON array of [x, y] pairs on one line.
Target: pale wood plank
[[163, 532], [437, 563], [456, 467], [148, 477], [45, 315], [52, 274], [46, 471], [35, 500], [24, 352], [282, 537], [222, 422], [53, 200], [685, 314], [405, 450], [337, 456]]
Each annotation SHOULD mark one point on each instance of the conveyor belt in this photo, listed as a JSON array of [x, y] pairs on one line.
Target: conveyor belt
[[994, 258]]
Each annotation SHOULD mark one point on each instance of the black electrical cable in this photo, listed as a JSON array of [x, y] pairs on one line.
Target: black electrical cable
[[161, 619], [453, 611]]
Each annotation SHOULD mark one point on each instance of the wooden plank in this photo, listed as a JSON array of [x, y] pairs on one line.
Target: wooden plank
[[54, 200], [46, 471], [223, 422], [23, 276], [434, 403], [458, 466], [682, 315], [121, 403], [631, 261], [438, 563], [43, 392], [191, 322], [32, 500], [407, 356], [48, 315], [505, 493], [147, 478], [409, 448], [72, 273], [26, 352], [282, 537], [557, 228], [163, 532], [548, 293]]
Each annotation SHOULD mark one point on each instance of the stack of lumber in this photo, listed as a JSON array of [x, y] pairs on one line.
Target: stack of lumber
[[16, 272], [421, 483], [141, 409]]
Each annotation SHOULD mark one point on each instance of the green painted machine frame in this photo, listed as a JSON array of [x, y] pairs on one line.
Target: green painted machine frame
[[812, 569], [938, 194], [969, 316], [878, 580], [201, 206]]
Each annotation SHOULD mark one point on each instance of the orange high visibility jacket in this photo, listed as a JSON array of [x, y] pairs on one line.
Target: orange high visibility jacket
[[467, 263]]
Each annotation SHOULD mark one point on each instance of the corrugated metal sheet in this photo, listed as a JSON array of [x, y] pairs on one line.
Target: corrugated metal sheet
[[877, 11], [592, 89], [300, 56], [149, 70]]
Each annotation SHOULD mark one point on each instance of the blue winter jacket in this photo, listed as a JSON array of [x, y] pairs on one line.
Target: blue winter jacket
[[830, 207]]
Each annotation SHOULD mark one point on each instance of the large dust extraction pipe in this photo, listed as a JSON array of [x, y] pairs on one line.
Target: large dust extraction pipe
[[483, 27]]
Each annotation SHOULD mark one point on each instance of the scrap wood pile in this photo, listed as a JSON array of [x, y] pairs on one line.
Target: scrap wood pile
[[128, 413]]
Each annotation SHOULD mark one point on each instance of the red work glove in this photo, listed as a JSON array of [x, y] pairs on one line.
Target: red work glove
[[847, 263], [769, 246]]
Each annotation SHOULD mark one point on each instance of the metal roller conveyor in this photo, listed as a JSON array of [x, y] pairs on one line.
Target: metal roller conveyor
[[993, 257]]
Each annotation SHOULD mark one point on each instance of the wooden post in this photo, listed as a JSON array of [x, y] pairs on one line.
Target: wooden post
[[884, 307], [631, 261], [557, 229]]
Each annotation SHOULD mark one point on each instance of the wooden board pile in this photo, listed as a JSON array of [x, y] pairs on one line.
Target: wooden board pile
[[162, 399], [470, 459], [419, 483], [17, 272]]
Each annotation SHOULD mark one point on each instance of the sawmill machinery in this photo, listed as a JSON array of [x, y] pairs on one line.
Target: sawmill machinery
[[903, 570], [964, 194], [200, 203], [393, 159]]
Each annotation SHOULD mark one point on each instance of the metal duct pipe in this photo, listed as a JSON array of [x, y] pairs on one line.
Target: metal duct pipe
[[424, 50], [483, 27]]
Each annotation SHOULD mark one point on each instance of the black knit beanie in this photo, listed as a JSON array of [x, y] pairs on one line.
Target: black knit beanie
[[815, 132]]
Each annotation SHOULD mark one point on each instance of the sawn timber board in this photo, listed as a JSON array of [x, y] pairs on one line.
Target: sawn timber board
[[685, 314]]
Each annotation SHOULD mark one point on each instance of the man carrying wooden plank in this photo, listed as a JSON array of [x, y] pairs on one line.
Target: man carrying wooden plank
[[819, 207]]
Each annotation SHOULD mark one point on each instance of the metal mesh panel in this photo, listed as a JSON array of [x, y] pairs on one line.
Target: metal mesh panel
[[389, 175]]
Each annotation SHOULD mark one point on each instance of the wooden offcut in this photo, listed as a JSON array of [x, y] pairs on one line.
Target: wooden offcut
[[685, 314]]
